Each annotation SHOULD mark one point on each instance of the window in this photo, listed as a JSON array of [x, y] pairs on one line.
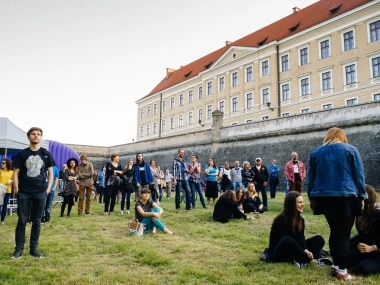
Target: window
[[172, 103], [163, 106], [235, 104], [304, 56], [221, 83], [200, 93], [263, 118], [327, 106], [350, 72], [305, 87], [287, 114], [147, 130], [200, 115], [148, 111], [325, 48], [209, 88], [376, 67], [374, 31], [285, 92], [264, 68], [190, 118], [181, 99], [172, 123], [142, 113], [376, 97], [249, 121], [284, 62], [209, 112], [249, 74], [154, 128], [249, 100], [234, 124], [235, 81], [305, 111], [163, 126], [326, 80], [265, 95], [348, 41], [221, 106], [190, 96], [180, 121], [141, 131], [352, 102], [155, 109]]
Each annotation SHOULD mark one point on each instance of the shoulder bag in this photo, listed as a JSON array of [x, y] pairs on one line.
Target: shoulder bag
[[135, 228]]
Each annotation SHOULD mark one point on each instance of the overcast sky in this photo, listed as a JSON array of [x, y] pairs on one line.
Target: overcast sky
[[75, 68]]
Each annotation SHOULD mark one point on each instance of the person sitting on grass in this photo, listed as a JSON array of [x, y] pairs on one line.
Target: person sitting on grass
[[365, 247], [240, 199], [227, 208], [149, 213], [252, 200], [287, 239]]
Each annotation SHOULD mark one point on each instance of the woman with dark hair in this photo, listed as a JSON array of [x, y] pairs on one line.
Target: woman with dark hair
[[287, 236], [142, 176], [336, 189], [127, 188], [114, 175], [70, 176], [195, 170], [226, 208], [252, 201], [240, 199], [365, 247], [6, 176], [212, 181]]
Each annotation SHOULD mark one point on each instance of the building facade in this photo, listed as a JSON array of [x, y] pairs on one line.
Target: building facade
[[322, 57]]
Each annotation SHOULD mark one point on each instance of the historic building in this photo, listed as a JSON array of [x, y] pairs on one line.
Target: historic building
[[324, 56]]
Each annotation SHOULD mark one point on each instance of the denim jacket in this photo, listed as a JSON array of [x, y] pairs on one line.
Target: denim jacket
[[336, 170]]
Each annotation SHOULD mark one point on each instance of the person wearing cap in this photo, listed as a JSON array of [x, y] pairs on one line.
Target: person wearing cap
[[70, 175], [86, 183], [261, 180], [295, 173]]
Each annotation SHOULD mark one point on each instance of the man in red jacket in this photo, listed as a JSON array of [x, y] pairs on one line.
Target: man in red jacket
[[295, 173]]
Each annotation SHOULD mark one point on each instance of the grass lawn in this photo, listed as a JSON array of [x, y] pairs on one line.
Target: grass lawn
[[96, 250]]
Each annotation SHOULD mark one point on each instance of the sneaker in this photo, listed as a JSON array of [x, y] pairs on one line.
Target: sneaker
[[105, 213], [79, 213], [169, 198], [88, 213], [121, 212], [61, 215], [100, 204], [324, 261], [36, 253], [344, 277], [17, 254], [47, 220], [299, 265], [42, 220], [128, 212]]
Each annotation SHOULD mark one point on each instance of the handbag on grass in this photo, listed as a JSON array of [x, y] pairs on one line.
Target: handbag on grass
[[135, 228]]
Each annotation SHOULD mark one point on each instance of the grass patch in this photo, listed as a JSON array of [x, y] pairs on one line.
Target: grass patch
[[95, 249]]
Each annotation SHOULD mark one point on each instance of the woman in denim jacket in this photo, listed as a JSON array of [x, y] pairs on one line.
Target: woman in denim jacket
[[336, 189]]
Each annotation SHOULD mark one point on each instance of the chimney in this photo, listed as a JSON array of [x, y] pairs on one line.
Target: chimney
[[169, 71], [296, 9], [228, 43]]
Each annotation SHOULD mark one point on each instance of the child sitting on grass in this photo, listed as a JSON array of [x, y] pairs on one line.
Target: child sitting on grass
[[148, 213]]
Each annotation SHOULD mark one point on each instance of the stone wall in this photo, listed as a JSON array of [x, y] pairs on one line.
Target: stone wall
[[275, 138]]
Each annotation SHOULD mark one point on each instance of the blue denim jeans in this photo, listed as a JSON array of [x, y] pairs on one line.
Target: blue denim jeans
[[149, 222], [49, 202], [185, 185], [29, 204], [263, 190], [196, 187], [237, 185]]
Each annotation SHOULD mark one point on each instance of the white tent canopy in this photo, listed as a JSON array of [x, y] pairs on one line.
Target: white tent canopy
[[12, 137]]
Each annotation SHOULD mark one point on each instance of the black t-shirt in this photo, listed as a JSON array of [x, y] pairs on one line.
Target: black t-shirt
[[145, 207], [33, 167], [297, 176]]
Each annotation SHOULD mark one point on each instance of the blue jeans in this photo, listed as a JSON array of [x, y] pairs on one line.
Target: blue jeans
[[149, 222], [185, 185], [196, 187], [237, 185], [263, 190], [49, 201], [5, 206], [29, 204]]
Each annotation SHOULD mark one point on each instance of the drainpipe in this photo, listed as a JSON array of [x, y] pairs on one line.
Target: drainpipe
[[278, 82], [159, 122]]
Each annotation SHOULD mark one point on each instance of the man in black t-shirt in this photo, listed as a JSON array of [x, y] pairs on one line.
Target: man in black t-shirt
[[33, 166]]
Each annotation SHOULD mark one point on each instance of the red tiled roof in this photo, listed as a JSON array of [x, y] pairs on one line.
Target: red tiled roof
[[312, 15]]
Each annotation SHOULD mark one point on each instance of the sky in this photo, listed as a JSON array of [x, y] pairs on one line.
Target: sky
[[75, 68]]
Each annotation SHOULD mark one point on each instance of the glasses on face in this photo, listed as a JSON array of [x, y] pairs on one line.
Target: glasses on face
[[3, 162]]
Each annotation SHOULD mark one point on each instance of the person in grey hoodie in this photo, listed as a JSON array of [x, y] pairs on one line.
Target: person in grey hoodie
[[236, 176]]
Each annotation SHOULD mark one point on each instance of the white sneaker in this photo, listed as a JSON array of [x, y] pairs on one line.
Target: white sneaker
[[128, 212], [121, 212]]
